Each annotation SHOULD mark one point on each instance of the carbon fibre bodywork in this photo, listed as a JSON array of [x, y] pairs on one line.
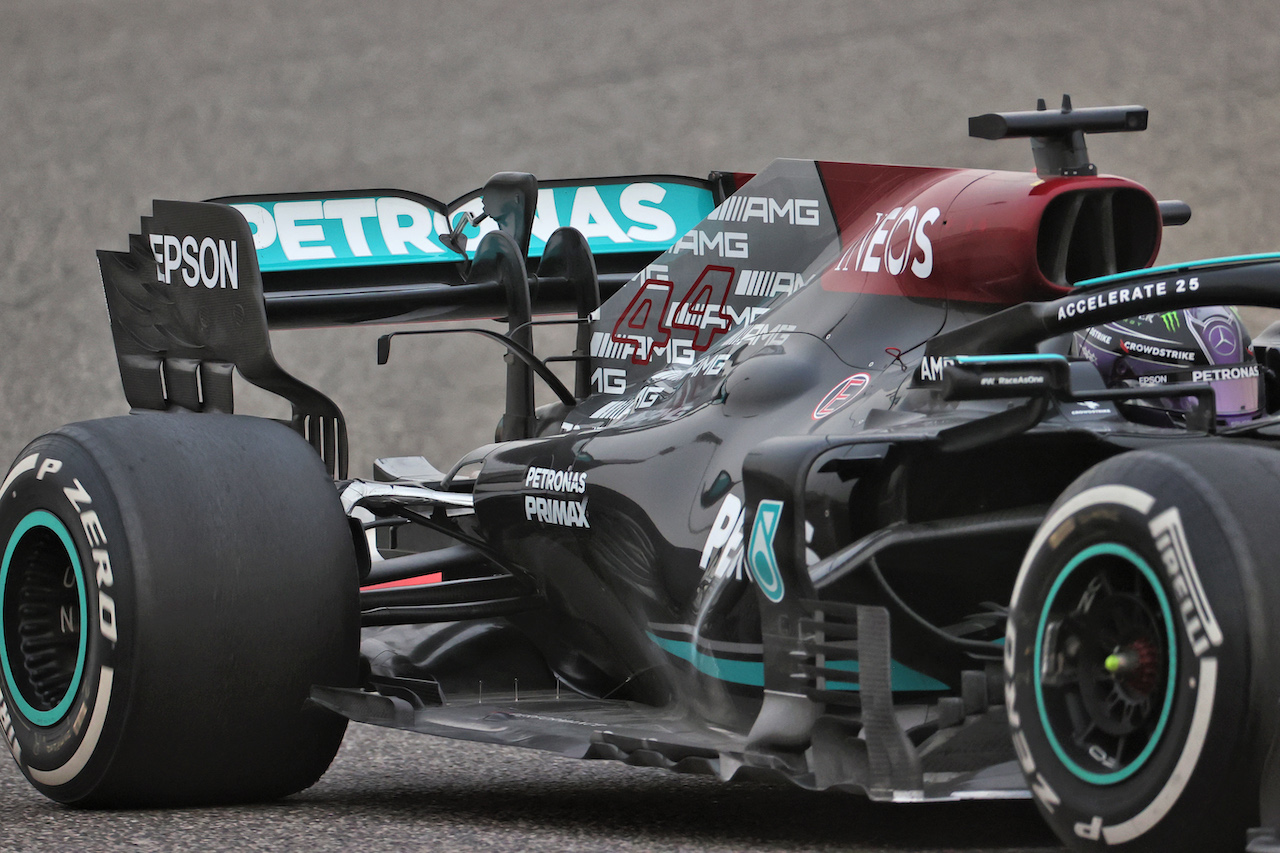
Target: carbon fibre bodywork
[[775, 525]]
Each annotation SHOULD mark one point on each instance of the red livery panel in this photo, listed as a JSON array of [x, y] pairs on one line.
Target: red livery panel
[[982, 236]]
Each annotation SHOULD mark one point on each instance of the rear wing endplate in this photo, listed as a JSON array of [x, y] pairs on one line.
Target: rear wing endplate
[[186, 306], [202, 282]]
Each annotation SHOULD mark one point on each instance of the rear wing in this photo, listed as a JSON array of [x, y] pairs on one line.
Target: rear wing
[[202, 282], [381, 255]]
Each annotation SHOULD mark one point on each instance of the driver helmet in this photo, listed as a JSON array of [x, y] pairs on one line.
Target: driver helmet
[[1189, 345]]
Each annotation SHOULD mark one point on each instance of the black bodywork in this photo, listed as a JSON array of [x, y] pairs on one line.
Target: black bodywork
[[774, 523]]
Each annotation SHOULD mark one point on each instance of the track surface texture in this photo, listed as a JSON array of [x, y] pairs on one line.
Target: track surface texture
[[107, 105]]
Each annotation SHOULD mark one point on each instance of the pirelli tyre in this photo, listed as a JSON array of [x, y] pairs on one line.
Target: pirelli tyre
[[171, 587], [1140, 665]]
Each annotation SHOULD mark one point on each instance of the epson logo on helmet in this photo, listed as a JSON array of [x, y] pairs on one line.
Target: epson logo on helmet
[[213, 263]]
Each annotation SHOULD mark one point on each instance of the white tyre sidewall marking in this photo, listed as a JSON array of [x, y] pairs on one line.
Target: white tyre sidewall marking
[[20, 468], [1191, 749], [1135, 499], [71, 769], [73, 766]]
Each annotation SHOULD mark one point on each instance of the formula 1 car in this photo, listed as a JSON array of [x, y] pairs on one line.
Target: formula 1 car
[[834, 494]]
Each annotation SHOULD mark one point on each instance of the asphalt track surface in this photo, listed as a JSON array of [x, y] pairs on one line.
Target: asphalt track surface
[[107, 105]]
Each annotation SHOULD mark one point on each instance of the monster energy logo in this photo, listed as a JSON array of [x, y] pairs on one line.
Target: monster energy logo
[[1172, 320]]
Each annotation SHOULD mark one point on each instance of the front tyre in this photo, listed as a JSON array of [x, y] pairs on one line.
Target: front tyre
[[1140, 670], [170, 588]]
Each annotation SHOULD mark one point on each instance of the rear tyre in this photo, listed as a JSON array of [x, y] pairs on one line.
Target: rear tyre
[[171, 587], [1140, 670]]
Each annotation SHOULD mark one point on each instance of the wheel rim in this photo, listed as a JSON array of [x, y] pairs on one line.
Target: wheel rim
[[43, 609], [1105, 664]]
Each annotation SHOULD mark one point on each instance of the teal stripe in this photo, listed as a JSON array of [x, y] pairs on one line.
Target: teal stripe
[[752, 672], [1017, 358], [901, 677], [735, 671], [46, 519], [612, 221], [1183, 267]]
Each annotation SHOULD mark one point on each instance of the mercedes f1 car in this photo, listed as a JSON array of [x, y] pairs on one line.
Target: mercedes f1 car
[[853, 477]]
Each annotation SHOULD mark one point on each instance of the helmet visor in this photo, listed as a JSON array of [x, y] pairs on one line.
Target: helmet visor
[[1236, 389], [1237, 395]]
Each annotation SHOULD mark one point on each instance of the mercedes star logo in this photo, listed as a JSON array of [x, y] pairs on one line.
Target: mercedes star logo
[[1222, 340]]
